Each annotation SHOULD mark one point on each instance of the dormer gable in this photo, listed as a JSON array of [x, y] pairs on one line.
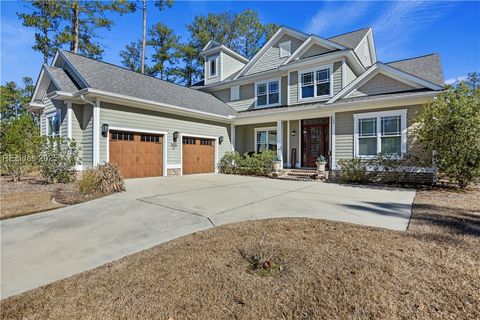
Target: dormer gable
[[313, 46], [220, 62]]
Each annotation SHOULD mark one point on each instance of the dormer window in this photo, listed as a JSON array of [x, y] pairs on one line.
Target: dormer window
[[213, 67], [285, 49]]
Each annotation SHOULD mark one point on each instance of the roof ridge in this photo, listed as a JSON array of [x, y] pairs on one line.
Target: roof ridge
[[342, 34], [141, 74], [413, 58]]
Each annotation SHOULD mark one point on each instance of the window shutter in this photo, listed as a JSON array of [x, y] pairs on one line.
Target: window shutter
[[234, 93]]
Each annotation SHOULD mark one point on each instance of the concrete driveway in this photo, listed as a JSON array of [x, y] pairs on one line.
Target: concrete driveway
[[44, 247]]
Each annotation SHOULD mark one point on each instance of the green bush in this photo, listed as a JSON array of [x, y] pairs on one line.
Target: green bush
[[230, 163], [58, 160], [353, 170], [450, 127], [258, 164], [104, 179], [20, 142]]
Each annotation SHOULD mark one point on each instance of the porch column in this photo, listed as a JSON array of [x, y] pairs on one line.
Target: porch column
[[279, 142], [232, 137], [69, 119], [96, 132], [288, 144]]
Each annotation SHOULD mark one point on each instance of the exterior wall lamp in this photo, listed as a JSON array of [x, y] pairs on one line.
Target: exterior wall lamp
[[175, 136], [104, 130], [293, 133], [220, 139]]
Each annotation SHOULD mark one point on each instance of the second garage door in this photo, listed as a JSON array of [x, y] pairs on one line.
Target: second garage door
[[198, 155], [137, 154]]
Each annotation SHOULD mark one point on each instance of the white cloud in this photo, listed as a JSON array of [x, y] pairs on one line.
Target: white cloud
[[337, 17], [402, 21], [453, 80]]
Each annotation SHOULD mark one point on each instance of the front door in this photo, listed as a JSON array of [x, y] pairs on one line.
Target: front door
[[315, 137]]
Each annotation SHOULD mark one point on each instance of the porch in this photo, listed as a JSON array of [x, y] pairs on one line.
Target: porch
[[298, 143]]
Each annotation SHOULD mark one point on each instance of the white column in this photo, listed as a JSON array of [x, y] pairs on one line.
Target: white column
[[332, 146], [279, 142], [232, 137], [69, 119], [288, 144], [299, 151], [96, 132]]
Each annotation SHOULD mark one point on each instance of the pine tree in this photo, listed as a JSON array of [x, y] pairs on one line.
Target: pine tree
[[165, 44]]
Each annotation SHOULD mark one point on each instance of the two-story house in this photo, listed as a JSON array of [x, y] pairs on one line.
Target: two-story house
[[301, 95]]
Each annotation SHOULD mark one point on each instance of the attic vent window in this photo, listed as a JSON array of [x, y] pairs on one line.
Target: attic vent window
[[285, 49], [213, 67]]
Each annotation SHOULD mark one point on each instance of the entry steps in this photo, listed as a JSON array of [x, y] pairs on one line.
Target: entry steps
[[302, 174]]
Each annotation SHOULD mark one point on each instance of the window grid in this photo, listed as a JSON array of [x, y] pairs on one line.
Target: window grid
[[265, 139], [268, 93], [315, 83], [150, 138], [124, 136]]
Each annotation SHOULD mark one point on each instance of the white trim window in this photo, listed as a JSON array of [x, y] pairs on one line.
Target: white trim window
[[265, 139], [212, 67], [267, 93], [315, 83], [285, 49], [380, 133], [54, 124]]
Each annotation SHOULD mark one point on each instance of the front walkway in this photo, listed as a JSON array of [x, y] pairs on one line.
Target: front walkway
[[44, 247]]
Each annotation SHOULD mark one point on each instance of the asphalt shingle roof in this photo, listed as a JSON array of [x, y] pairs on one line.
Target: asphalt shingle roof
[[426, 67], [61, 79], [351, 39], [108, 77]]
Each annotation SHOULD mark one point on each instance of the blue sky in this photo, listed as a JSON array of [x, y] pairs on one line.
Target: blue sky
[[401, 29]]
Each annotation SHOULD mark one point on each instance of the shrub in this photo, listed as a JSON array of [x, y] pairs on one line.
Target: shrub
[[20, 142], [89, 181], [58, 159], [353, 170], [450, 126], [230, 163], [258, 164], [110, 178], [104, 179]]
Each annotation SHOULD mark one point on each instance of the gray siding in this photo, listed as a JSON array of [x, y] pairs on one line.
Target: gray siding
[[87, 136], [380, 84], [283, 89], [271, 58], [230, 65], [77, 133], [294, 140], [314, 50], [245, 136], [293, 87], [134, 118], [246, 101], [344, 131], [337, 77], [349, 74]]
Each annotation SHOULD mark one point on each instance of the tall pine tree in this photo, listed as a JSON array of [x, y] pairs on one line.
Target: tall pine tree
[[165, 54]]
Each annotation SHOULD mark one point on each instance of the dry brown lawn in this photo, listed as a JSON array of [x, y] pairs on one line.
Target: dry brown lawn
[[31, 195], [326, 270]]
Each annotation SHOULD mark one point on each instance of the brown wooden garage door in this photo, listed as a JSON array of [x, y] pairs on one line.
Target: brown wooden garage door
[[198, 155], [137, 154]]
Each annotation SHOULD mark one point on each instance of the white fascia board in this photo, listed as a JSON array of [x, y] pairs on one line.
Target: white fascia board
[[307, 44], [354, 84], [315, 60], [208, 45], [73, 68], [410, 77], [39, 79], [280, 32]]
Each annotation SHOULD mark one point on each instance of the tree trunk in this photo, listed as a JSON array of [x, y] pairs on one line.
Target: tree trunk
[[75, 27], [144, 37]]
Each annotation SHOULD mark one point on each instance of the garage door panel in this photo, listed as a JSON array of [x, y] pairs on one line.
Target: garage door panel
[[138, 155], [198, 155]]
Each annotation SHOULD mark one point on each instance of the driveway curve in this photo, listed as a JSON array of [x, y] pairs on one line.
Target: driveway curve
[[45, 247]]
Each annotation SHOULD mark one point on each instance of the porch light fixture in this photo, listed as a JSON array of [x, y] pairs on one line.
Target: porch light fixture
[[104, 130], [220, 139], [293, 133], [175, 136]]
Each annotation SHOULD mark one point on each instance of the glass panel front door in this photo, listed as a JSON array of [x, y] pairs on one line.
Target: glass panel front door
[[315, 138]]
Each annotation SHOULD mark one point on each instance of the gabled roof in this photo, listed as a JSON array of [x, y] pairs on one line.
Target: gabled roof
[[280, 32], [412, 80], [61, 79], [350, 39], [211, 44], [313, 40], [114, 79], [427, 67]]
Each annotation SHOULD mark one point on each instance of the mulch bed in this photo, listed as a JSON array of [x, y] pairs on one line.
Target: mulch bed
[[324, 270]]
